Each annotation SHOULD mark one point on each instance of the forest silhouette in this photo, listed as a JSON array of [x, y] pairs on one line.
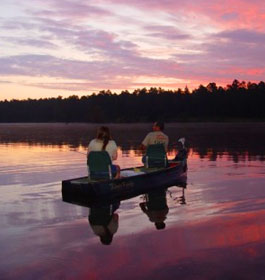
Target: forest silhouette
[[238, 101]]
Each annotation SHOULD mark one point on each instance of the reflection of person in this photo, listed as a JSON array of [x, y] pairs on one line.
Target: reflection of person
[[157, 136], [104, 142], [182, 199], [104, 222], [155, 207]]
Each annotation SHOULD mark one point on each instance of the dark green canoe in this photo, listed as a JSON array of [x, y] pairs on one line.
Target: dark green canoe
[[147, 180]]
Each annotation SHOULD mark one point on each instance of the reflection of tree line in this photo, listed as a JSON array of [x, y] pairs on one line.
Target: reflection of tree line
[[234, 155], [239, 141], [104, 221], [252, 153], [236, 101], [213, 154]]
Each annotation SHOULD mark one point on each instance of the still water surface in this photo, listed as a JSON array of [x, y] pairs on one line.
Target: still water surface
[[215, 228]]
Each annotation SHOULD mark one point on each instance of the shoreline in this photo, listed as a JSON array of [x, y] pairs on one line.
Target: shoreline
[[192, 121]]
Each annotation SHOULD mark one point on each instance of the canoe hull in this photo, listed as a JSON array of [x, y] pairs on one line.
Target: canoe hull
[[124, 187]]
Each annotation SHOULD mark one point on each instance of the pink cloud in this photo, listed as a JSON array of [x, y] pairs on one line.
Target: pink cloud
[[118, 58], [120, 74], [226, 13]]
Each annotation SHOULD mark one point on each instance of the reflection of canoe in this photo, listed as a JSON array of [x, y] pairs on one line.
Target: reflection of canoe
[[147, 180]]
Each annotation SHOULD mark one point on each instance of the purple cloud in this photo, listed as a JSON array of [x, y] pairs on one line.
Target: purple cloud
[[44, 65], [87, 39], [120, 48], [229, 55], [16, 24], [241, 48], [72, 9], [39, 43], [167, 32], [243, 36]]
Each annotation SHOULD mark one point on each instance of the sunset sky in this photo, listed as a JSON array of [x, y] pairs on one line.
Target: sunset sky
[[52, 47]]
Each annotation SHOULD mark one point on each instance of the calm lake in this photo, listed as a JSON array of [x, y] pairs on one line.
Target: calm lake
[[214, 229]]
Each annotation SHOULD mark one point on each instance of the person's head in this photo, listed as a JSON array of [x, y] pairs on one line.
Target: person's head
[[103, 134], [160, 225], [158, 126], [106, 239]]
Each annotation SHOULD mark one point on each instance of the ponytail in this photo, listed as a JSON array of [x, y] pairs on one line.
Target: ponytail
[[105, 143], [104, 135]]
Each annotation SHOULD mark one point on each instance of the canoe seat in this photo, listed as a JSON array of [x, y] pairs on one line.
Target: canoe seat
[[99, 165], [156, 156]]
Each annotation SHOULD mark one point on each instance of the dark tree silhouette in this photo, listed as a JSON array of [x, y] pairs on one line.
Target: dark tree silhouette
[[238, 101]]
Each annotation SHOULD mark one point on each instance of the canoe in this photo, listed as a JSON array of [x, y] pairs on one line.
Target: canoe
[[107, 201], [142, 181]]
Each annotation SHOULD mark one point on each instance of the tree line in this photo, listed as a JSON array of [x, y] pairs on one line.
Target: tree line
[[238, 101]]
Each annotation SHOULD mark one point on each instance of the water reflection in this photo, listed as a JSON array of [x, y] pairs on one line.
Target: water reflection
[[215, 229], [179, 199], [155, 207], [239, 142], [104, 221]]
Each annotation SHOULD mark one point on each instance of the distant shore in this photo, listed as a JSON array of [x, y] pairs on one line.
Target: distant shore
[[188, 121], [238, 102]]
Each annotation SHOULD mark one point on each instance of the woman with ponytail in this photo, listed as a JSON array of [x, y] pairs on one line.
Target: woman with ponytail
[[104, 142]]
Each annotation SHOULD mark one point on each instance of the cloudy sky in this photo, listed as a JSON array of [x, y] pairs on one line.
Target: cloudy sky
[[63, 47]]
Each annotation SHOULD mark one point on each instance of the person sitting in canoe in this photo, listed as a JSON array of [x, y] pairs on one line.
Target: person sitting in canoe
[[104, 142], [157, 136]]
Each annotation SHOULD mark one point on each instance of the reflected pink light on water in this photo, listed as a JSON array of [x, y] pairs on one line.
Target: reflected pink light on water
[[222, 224], [193, 242]]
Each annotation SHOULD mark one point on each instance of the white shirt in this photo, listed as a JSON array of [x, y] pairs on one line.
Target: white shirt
[[156, 137], [96, 145], [112, 226]]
